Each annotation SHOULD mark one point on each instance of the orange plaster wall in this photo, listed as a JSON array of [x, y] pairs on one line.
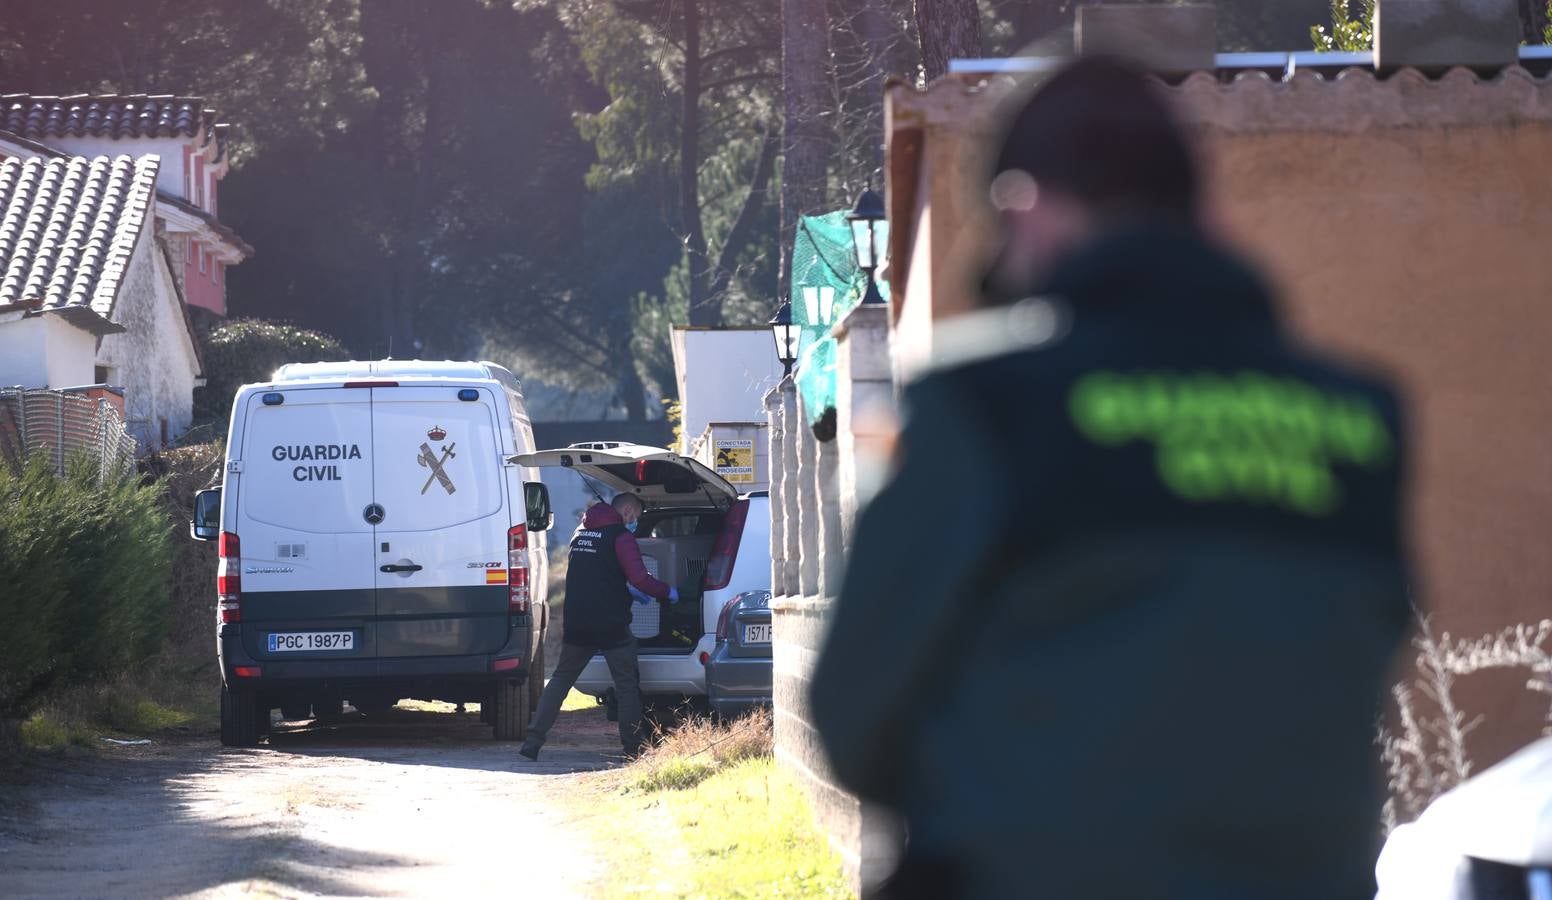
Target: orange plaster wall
[[1429, 252]]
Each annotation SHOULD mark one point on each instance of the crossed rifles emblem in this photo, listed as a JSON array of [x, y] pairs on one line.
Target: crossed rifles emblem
[[428, 458]]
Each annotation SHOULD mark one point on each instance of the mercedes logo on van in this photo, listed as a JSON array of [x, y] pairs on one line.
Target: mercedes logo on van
[[373, 513]]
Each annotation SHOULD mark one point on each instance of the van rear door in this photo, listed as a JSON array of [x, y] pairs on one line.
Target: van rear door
[[305, 485], [441, 554]]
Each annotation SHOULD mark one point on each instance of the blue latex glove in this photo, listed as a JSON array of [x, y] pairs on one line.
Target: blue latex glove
[[673, 595], [640, 597]]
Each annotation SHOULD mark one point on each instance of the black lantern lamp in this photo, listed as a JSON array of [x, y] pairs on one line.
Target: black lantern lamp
[[786, 335], [864, 220]]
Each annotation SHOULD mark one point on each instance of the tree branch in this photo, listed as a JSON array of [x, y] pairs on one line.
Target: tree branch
[[743, 226]]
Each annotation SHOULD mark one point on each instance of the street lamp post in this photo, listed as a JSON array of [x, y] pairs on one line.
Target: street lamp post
[[864, 221], [786, 335]]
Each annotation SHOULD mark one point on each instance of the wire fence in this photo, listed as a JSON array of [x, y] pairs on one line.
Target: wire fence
[[64, 425]]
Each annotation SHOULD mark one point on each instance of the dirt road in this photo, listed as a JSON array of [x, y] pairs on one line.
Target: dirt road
[[418, 804]]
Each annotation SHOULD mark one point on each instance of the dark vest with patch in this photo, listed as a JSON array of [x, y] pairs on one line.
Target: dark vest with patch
[[598, 606]]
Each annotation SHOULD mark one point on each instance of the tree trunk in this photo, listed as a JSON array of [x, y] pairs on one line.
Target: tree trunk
[[947, 29], [805, 140], [628, 382], [705, 310]]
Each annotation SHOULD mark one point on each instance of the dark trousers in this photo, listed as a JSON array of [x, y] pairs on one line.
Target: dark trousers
[[627, 688]]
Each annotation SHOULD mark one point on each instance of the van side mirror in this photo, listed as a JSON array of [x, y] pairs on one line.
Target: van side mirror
[[537, 498], [206, 525]]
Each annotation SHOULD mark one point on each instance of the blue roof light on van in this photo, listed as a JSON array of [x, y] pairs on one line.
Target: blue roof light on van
[[274, 399], [468, 394]]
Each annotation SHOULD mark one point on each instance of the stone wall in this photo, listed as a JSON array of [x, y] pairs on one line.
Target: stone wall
[[815, 491]]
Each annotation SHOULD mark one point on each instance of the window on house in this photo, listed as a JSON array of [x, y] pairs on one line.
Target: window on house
[[204, 262], [215, 271], [190, 253], [102, 375]]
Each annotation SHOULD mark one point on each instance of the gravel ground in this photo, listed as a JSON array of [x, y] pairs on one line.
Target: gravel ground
[[418, 803]]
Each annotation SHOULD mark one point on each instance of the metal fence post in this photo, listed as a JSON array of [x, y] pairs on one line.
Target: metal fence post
[[21, 404], [59, 432]]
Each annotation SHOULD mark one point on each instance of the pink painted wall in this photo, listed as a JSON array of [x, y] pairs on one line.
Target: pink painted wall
[[206, 289]]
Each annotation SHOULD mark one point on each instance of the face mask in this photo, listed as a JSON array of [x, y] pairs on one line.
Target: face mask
[[631, 527]]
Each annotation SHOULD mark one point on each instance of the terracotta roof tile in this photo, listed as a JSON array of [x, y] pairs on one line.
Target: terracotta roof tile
[[68, 228], [104, 115]]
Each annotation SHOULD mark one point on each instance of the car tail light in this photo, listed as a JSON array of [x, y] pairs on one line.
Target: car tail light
[[229, 579], [248, 671], [517, 570], [719, 571], [705, 657], [506, 665], [725, 620]]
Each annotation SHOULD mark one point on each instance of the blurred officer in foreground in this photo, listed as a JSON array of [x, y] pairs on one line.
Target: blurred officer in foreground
[[1156, 568]]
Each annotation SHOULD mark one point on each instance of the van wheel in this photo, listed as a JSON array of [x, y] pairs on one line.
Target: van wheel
[[294, 712], [536, 678], [509, 711], [239, 718]]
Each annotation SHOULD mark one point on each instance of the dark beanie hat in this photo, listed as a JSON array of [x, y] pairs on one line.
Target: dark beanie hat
[[1099, 130]]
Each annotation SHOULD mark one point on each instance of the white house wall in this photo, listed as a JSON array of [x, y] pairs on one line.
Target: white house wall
[[154, 358], [45, 352], [724, 375], [170, 175]]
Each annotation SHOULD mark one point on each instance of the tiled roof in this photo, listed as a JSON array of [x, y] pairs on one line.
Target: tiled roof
[[68, 228], [104, 115]]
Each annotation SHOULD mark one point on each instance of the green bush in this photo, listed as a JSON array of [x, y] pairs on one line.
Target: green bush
[[244, 351], [83, 579]]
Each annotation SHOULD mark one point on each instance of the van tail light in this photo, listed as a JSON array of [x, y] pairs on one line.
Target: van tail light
[[229, 579], [725, 620], [719, 571], [517, 570]]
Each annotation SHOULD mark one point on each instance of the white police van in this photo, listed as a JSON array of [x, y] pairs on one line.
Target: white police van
[[377, 544]]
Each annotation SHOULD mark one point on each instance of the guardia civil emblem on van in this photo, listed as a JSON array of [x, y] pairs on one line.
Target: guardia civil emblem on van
[[429, 460], [436, 433]]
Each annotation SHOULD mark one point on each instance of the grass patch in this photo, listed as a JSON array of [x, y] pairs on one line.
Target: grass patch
[[46, 731], [744, 830], [675, 774], [155, 701], [708, 813]]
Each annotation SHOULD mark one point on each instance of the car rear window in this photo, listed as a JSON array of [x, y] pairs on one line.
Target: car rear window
[[438, 460], [307, 462]]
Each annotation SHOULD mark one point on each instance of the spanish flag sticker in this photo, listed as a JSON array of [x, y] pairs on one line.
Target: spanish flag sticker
[[495, 576]]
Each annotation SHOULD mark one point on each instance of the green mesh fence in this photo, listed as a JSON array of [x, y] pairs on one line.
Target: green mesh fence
[[826, 284]]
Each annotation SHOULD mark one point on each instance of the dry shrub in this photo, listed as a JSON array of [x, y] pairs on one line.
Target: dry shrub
[[700, 747], [1425, 755]]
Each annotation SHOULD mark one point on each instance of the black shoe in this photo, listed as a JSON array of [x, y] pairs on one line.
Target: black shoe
[[531, 751]]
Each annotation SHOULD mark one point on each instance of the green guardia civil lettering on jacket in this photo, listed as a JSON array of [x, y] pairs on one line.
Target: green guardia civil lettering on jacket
[[1245, 437], [1157, 578]]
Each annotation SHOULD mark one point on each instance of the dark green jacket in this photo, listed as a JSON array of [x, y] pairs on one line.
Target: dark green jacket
[[1118, 624]]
